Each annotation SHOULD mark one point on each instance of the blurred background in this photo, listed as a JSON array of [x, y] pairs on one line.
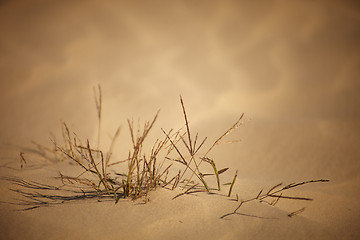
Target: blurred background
[[292, 67]]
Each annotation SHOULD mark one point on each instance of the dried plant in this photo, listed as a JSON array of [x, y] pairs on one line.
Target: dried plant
[[144, 171], [274, 194]]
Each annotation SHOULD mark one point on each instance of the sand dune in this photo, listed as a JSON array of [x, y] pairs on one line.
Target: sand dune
[[291, 67]]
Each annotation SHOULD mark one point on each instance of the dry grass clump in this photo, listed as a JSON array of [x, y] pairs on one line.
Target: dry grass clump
[[144, 171], [175, 161]]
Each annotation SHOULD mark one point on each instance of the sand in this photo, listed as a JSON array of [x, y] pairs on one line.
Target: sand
[[292, 68]]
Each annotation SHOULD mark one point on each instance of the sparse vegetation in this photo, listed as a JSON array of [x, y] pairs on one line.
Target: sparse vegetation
[[173, 162], [273, 195]]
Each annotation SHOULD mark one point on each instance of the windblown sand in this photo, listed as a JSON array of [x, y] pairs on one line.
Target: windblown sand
[[292, 67]]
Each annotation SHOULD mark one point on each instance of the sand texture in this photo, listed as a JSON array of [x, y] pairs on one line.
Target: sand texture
[[292, 68]]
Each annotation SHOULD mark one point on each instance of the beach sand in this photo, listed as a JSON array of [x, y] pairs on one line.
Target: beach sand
[[292, 68]]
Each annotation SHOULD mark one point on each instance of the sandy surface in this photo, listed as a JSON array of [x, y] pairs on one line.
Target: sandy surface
[[291, 67]]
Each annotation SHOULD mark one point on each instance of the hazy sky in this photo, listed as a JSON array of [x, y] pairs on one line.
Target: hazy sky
[[267, 58]]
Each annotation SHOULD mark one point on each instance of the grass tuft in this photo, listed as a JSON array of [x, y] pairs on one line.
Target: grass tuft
[[171, 163]]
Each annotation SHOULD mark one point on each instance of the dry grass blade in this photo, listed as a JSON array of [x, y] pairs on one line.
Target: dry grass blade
[[176, 148], [259, 194], [216, 174], [168, 182], [289, 197], [201, 144], [274, 187], [109, 153], [292, 214], [190, 191], [101, 178], [276, 200], [22, 159], [187, 127], [212, 163], [223, 170], [303, 183], [98, 103], [235, 126], [232, 184]]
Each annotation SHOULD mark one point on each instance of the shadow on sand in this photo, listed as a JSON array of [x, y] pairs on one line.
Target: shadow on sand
[[34, 194]]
